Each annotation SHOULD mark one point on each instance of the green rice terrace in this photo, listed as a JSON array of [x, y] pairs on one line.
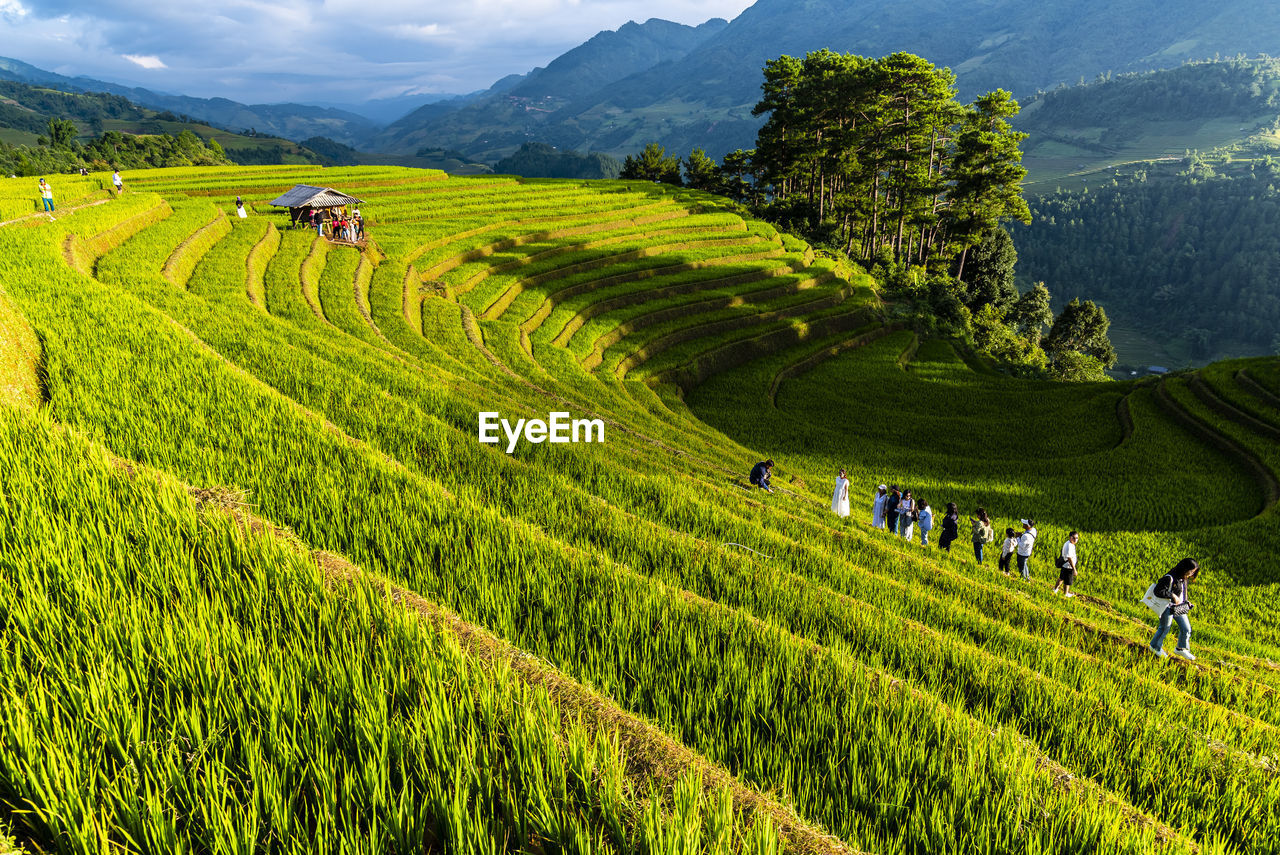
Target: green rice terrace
[[262, 588]]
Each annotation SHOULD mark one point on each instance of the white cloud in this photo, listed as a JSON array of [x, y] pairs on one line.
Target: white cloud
[[419, 32], [150, 61], [263, 51]]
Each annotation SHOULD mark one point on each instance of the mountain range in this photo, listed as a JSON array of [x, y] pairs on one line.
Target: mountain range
[[695, 86], [291, 121]]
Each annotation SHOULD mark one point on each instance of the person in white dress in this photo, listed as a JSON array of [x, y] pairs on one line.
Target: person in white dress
[[907, 514], [840, 498], [877, 507]]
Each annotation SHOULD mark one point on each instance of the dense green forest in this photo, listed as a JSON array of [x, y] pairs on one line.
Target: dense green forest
[[1114, 110], [875, 160], [61, 151], [539, 160], [98, 130], [1194, 256]]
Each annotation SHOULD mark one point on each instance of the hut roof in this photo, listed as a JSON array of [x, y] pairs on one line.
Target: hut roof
[[305, 195]]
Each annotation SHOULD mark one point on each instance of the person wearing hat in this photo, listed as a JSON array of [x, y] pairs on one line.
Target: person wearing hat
[[1026, 543], [877, 506], [760, 475]]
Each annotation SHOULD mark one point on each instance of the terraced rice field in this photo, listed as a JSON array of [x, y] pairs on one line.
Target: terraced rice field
[[265, 590]]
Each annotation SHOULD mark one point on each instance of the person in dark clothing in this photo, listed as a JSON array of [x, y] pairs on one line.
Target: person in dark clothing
[[950, 527], [891, 509], [1173, 587], [760, 474]]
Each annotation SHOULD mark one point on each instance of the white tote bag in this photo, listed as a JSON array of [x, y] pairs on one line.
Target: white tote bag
[[1156, 604]]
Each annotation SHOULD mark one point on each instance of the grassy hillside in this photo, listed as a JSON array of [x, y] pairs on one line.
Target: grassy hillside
[[268, 590], [1082, 134]]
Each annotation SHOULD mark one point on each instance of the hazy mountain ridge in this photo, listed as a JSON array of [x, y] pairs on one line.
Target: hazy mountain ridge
[[290, 121], [704, 96], [514, 112]]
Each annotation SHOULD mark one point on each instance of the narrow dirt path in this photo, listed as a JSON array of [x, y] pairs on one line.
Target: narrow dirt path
[[44, 215]]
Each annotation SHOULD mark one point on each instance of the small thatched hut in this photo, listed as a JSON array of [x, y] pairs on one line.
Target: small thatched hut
[[304, 198]]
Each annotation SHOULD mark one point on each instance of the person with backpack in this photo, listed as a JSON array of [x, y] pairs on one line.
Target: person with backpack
[[891, 509], [1026, 544], [906, 515], [1006, 550], [1171, 591], [924, 515], [760, 475], [983, 533], [1066, 563], [840, 498], [877, 506], [950, 527]]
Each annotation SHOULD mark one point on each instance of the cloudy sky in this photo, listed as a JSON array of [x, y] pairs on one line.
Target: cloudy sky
[[303, 50]]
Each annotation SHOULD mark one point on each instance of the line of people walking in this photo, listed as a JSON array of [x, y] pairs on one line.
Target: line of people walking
[[899, 512]]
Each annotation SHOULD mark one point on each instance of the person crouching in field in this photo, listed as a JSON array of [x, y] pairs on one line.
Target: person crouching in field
[[924, 515], [760, 475], [840, 498], [1066, 562], [1172, 588], [1007, 549], [877, 507]]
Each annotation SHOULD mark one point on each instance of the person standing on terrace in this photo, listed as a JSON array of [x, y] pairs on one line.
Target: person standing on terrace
[[1066, 562], [46, 196], [1173, 587], [891, 509], [840, 498], [877, 506], [983, 533], [906, 514], [924, 515], [1026, 544]]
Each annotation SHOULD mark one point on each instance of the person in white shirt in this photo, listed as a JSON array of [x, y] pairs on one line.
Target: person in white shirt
[[840, 498], [1067, 565], [1026, 543], [1006, 550], [118, 182], [877, 507]]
